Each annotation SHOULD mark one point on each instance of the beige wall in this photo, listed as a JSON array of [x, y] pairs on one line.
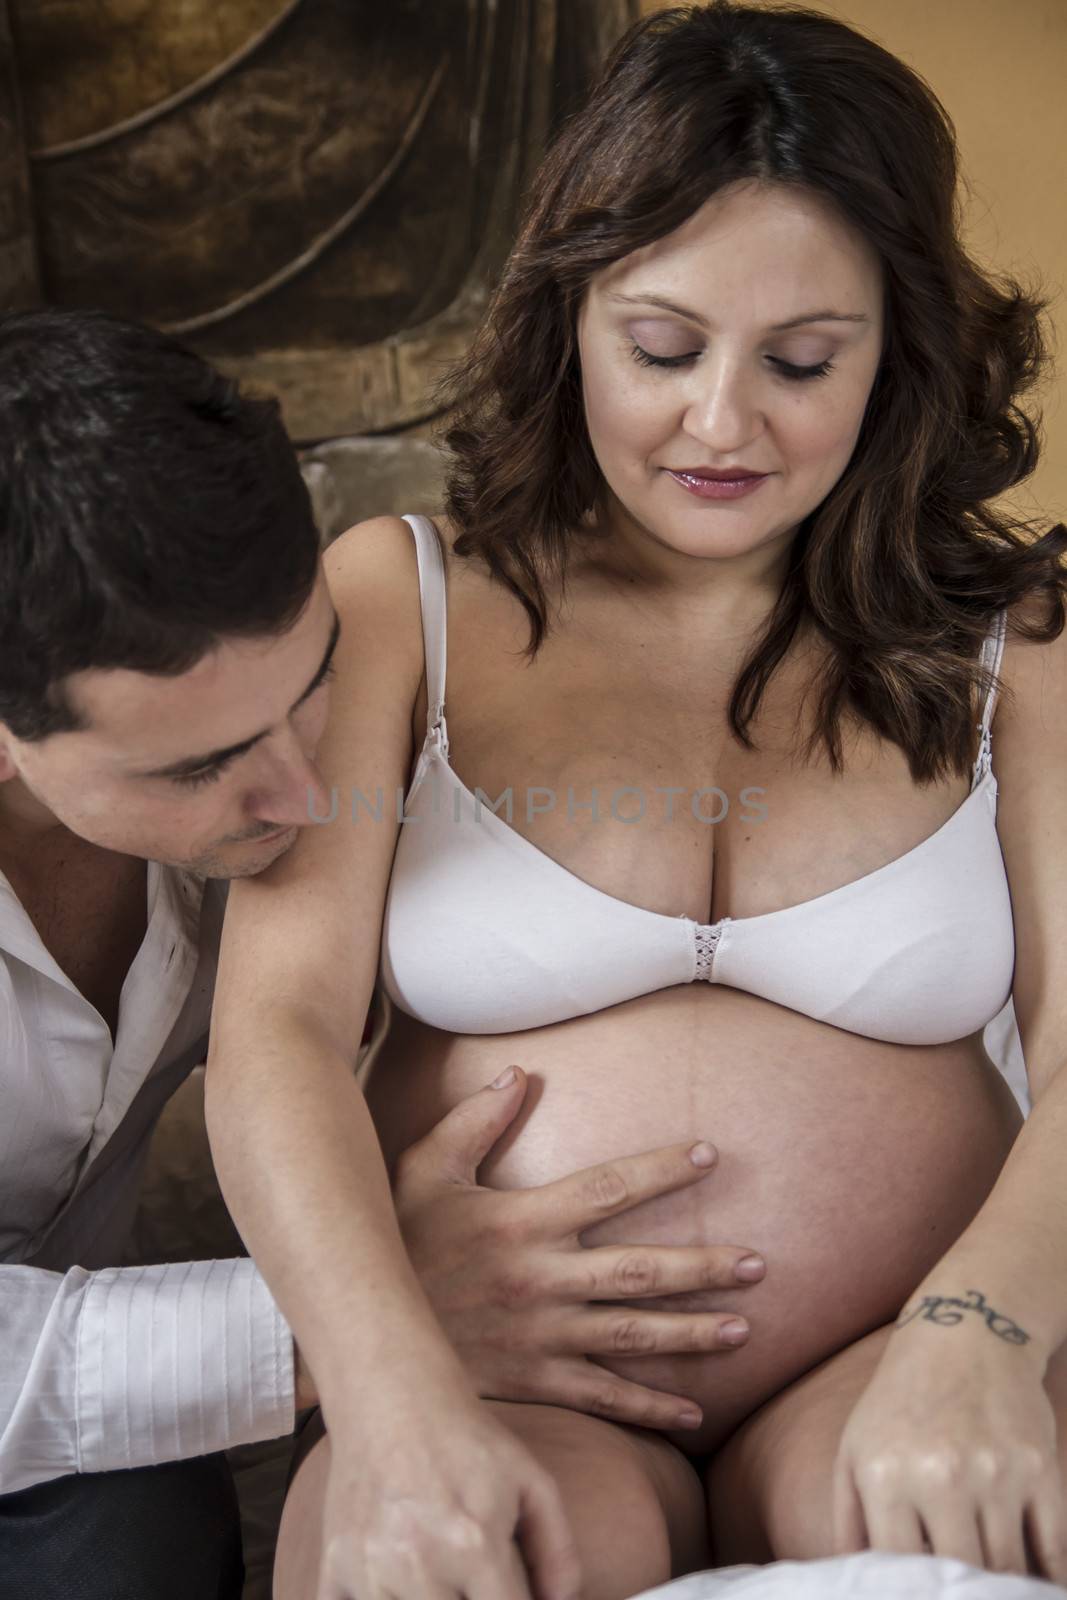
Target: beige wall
[[998, 68]]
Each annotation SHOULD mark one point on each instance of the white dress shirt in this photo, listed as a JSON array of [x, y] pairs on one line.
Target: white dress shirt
[[104, 1366]]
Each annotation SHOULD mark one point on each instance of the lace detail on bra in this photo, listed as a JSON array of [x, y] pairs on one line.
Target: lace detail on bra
[[992, 654], [706, 937], [437, 732], [984, 759]]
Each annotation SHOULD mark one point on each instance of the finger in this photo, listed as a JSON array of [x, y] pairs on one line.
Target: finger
[[1046, 1529], [952, 1529], [890, 1517], [849, 1527], [513, 1586], [587, 1197], [636, 1332], [611, 1272], [456, 1146], [332, 1587], [584, 1386], [337, 1585], [412, 1576], [1001, 1527], [891, 1523], [423, 1587], [543, 1534]]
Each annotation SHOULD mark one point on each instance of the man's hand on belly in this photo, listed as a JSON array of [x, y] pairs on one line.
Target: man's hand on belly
[[524, 1302]]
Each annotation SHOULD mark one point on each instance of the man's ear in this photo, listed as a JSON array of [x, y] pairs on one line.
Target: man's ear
[[8, 768]]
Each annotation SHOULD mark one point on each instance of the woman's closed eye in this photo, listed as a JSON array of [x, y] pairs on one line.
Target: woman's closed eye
[[787, 369]]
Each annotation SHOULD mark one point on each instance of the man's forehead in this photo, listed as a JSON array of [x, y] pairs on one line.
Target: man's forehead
[[117, 705], [145, 723]]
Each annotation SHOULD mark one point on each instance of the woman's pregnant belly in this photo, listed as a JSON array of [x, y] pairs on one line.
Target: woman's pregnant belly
[[851, 1165]]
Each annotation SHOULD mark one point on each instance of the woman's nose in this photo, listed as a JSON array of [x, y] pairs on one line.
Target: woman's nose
[[722, 413]]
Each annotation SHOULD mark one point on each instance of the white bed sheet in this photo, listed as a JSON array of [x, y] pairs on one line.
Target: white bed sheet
[[873, 1575]]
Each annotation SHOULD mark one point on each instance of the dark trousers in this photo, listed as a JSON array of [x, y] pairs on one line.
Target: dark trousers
[[150, 1533]]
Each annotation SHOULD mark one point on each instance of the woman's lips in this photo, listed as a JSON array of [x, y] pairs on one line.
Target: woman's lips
[[716, 488]]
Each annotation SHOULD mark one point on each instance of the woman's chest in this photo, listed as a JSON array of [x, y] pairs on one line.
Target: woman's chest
[[621, 765]]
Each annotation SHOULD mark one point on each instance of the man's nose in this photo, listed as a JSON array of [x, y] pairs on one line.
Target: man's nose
[[294, 791]]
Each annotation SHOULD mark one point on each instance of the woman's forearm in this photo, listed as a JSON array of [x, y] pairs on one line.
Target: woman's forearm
[[1014, 1253], [301, 1168]]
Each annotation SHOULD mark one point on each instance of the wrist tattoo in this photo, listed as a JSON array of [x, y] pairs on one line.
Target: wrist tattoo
[[946, 1311]]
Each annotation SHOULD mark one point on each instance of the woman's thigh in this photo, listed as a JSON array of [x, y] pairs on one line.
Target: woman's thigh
[[635, 1504], [769, 1488]]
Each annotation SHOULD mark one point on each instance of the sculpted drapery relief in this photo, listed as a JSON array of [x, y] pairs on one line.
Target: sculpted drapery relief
[[314, 193]]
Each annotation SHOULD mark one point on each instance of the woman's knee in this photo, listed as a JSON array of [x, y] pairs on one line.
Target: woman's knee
[[634, 1503], [299, 1546], [170, 1531]]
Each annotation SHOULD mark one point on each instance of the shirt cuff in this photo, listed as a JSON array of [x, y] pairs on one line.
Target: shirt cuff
[[178, 1361]]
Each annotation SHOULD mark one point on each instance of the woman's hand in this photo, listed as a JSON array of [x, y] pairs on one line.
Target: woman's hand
[[952, 1448], [437, 1500], [517, 1292]]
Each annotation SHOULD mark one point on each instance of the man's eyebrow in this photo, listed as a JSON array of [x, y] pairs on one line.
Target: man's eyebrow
[[694, 316], [191, 764]]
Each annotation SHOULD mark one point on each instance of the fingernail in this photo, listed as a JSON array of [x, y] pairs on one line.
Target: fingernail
[[506, 1077], [690, 1419], [733, 1332], [702, 1154], [751, 1268]]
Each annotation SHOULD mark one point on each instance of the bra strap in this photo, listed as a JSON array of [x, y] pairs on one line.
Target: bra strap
[[992, 653], [434, 629]]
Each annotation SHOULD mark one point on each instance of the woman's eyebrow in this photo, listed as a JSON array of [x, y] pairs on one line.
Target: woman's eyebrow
[[694, 316]]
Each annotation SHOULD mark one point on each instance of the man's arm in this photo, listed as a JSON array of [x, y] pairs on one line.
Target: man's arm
[[131, 1366]]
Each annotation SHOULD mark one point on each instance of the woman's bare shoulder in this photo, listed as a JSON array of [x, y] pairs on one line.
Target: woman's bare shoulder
[[380, 545], [1023, 654], [1033, 676], [389, 539], [373, 577]]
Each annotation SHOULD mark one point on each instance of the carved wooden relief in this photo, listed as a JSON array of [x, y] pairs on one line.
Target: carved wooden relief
[[18, 266], [312, 192]]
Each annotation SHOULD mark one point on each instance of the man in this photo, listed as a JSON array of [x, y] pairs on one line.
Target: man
[[167, 636]]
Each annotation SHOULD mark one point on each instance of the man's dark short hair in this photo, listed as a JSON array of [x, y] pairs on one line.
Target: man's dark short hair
[[148, 510]]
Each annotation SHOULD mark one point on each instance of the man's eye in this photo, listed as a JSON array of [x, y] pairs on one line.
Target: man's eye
[[197, 780], [329, 672]]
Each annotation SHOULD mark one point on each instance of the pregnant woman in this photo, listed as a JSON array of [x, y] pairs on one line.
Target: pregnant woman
[[745, 819]]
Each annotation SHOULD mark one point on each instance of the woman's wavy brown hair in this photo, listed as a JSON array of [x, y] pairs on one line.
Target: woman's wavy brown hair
[[903, 565]]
